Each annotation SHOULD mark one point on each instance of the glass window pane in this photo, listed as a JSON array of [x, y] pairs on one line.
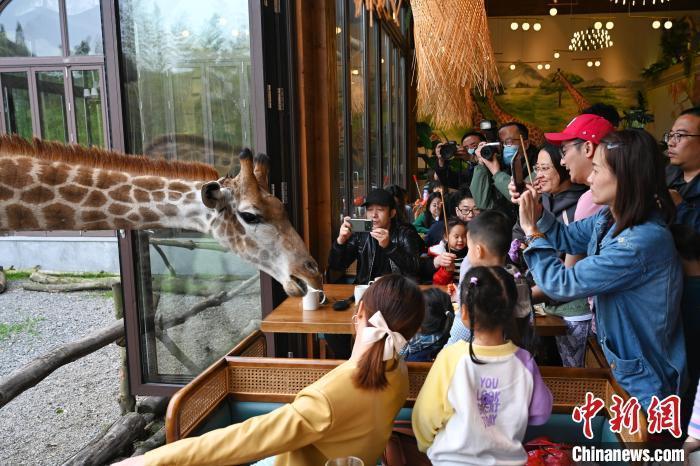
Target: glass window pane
[[340, 204], [15, 95], [386, 106], [403, 131], [88, 107], [84, 27], [395, 97], [357, 105], [187, 96], [52, 106], [29, 28], [372, 77], [186, 85]]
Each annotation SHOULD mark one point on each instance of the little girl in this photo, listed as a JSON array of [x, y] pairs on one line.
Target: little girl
[[435, 328], [479, 396], [447, 261]]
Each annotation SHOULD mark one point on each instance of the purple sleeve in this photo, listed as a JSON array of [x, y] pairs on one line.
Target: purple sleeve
[[541, 400], [694, 425]]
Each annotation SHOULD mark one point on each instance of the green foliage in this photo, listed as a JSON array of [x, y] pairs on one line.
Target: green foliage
[[678, 45], [28, 325], [16, 275]]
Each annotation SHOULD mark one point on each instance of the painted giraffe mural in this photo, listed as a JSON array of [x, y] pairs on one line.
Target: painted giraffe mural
[[536, 134], [51, 186], [579, 99]]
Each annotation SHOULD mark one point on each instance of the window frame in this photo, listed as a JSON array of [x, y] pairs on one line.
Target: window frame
[[375, 166]]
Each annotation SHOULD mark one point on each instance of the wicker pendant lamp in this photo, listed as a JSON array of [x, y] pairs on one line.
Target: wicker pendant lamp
[[453, 56]]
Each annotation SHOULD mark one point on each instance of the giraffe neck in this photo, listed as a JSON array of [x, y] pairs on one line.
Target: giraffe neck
[[40, 195]]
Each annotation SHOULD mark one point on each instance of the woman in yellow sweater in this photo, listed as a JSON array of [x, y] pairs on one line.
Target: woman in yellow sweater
[[348, 412]]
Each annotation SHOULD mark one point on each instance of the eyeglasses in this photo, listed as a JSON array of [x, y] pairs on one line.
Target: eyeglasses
[[564, 149], [542, 168], [468, 210], [676, 137], [512, 142]]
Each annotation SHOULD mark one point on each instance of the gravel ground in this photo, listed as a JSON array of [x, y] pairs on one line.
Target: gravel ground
[[48, 423], [53, 420]]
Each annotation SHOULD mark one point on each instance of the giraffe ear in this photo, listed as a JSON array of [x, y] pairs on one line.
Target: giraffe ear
[[248, 182], [211, 194], [261, 170]]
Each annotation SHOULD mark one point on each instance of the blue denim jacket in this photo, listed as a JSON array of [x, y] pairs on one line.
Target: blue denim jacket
[[637, 282]]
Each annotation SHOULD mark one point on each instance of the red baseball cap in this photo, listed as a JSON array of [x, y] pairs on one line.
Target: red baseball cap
[[587, 127]]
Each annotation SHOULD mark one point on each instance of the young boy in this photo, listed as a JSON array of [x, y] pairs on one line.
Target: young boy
[[488, 242]]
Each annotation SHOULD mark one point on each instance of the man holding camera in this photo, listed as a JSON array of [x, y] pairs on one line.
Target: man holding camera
[[491, 177], [465, 154], [387, 246]]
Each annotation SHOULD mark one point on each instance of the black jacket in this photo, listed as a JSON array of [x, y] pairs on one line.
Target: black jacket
[[688, 211], [401, 256]]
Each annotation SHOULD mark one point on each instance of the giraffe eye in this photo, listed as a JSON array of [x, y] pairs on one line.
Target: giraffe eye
[[250, 218]]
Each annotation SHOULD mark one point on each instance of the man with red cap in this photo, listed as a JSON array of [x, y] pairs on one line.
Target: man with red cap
[[577, 144]]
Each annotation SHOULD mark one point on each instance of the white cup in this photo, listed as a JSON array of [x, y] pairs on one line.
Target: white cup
[[310, 301], [359, 291], [345, 461]]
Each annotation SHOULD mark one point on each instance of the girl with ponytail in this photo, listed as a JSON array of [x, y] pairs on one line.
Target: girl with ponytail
[[480, 395], [348, 412]]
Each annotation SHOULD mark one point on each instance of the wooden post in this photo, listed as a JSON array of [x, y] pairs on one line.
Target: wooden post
[[3, 280], [127, 402]]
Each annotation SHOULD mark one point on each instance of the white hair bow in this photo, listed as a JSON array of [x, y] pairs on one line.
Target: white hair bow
[[394, 340]]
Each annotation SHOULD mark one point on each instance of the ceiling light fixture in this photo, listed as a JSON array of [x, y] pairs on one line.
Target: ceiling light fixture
[[512, 66], [514, 26], [590, 39], [553, 12], [537, 26], [656, 24], [640, 2], [526, 26], [556, 55], [668, 24]]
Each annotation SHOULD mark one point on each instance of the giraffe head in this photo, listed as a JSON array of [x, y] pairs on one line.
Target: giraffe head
[[254, 224]]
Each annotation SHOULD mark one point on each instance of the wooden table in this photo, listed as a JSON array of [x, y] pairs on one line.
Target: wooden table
[[288, 317]]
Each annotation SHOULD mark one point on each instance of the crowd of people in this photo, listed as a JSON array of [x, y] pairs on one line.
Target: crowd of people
[[605, 234]]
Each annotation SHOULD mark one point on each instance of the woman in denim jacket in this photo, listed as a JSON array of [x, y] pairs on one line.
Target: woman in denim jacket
[[631, 267]]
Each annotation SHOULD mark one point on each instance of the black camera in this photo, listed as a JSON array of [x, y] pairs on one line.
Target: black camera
[[489, 129], [490, 149], [448, 150]]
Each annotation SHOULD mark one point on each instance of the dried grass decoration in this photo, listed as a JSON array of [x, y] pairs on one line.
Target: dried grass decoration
[[453, 56]]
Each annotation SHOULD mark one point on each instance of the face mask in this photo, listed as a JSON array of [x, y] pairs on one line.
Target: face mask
[[509, 154], [471, 151]]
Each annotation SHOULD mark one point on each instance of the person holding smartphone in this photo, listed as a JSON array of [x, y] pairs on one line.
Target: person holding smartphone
[[389, 247], [631, 266]]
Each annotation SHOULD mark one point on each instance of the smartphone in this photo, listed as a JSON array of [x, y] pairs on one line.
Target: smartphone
[[361, 225], [518, 171]]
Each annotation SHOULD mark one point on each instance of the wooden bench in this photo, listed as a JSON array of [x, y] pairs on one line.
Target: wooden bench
[[236, 387]]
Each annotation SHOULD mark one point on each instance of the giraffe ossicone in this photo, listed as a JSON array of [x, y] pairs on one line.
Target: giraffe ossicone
[[51, 186]]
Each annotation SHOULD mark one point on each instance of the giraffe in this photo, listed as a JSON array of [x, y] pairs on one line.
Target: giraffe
[[536, 135], [51, 186], [579, 99]]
